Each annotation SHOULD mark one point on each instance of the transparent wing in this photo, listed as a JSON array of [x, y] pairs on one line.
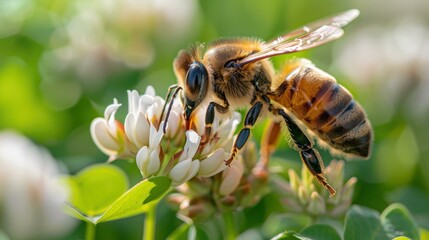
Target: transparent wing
[[306, 37]]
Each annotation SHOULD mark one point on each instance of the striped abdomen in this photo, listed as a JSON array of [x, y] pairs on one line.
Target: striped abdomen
[[325, 107]]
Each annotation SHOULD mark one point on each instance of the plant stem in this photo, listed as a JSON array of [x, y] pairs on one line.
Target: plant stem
[[229, 222], [90, 231], [150, 223]]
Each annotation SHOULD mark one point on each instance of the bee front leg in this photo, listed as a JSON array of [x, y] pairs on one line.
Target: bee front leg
[[171, 95], [243, 136], [210, 115], [309, 156]]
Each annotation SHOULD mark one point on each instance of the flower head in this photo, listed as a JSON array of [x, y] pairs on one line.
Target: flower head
[[300, 194], [241, 185], [31, 196], [198, 170], [142, 137]]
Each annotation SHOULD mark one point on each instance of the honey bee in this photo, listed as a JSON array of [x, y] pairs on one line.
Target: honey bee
[[236, 73]]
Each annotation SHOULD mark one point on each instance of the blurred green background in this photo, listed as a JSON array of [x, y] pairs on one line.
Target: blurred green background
[[62, 63]]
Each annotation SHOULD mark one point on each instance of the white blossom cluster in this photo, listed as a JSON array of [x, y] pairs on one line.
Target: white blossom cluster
[[31, 195], [177, 153]]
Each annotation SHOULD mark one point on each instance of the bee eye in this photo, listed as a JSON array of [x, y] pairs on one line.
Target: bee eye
[[196, 77], [232, 64]]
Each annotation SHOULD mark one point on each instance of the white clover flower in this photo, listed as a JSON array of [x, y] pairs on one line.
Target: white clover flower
[[148, 157], [109, 135], [186, 168], [214, 153], [143, 137], [31, 197], [144, 113]]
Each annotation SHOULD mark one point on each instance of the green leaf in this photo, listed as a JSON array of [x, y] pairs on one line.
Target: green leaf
[[319, 232], [185, 231], [99, 194], [70, 210], [397, 221], [287, 235], [138, 199], [363, 223], [96, 187], [416, 202]]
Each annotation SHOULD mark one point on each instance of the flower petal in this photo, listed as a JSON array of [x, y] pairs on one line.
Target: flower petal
[[153, 164], [191, 145], [173, 123], [141, 158], [155, 136], [179, 171], [155, 110], [102, 138], [231, 178], [144, 103], [213, 164], [193, 170], [129, 126], [183, 171], [111, 109], [199, 122], [133, 101], [142, 130], [150, 91], [227, 128], [109, 115]]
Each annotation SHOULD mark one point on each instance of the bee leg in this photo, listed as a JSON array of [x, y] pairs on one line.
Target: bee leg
[[243, 136], [210, 115], [269, 141], [309, 156], [171, 95]]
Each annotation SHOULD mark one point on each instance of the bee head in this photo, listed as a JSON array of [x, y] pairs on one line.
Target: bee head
[[196, 85]]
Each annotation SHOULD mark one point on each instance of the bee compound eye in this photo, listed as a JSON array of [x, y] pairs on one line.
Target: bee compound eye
[[196, 78]]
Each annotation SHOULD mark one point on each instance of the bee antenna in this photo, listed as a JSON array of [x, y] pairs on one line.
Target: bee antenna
[[171, 95]]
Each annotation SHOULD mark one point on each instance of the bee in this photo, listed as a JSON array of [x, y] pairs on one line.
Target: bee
[[237, 73]]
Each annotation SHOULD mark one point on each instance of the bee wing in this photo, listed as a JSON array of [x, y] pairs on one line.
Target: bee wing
[[309, 36]]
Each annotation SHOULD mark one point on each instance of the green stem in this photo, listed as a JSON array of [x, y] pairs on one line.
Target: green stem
[[150, 223], [90, 231], [229, 222]]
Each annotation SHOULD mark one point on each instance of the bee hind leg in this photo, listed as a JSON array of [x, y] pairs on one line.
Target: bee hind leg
[[309, 156], [250, 120]]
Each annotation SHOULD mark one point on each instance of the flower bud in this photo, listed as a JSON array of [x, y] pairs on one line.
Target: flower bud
[[228, 202], [149, 163], [109, 135], [303, 195], [294, 180], [197, 209], [250, 154], [316, 204], [231, 177]]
